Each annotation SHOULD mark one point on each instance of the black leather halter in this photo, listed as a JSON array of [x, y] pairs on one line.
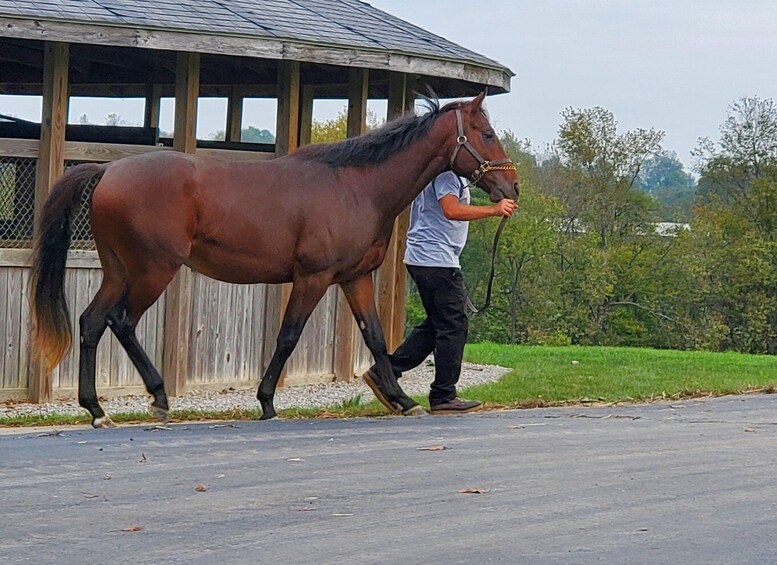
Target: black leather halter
[[485, 166]]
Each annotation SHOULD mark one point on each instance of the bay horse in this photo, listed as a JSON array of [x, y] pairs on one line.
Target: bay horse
[[322, 215]]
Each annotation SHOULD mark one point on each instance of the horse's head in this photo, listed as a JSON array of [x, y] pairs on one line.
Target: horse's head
[[479, 156]]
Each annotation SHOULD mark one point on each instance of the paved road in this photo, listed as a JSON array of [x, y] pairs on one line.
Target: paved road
[[690, 482]]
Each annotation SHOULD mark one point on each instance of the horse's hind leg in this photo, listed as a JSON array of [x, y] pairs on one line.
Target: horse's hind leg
[[124, 318], [92, 323], [305, 294], [361, 299]]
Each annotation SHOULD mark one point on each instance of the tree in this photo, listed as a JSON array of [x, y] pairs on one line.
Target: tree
[[336, 129], [250, 134], [663, 176], [603, 166], [746, 151], [735, 235], [524, 290], [114, 119]]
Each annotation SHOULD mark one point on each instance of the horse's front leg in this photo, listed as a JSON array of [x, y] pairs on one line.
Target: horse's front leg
[[361, 299], [305, 294]]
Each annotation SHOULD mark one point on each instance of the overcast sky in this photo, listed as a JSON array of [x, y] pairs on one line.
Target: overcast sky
[[675, 65]]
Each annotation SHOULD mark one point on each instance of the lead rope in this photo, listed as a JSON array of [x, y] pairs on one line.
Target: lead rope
[[492, 273]]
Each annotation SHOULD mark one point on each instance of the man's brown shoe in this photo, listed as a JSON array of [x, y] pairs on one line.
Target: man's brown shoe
[[456, 406]]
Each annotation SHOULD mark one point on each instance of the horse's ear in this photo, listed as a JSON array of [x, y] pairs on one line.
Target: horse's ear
[[477, 102]]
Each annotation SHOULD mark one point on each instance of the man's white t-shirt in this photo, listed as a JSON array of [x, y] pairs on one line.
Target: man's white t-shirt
[[432, 239]]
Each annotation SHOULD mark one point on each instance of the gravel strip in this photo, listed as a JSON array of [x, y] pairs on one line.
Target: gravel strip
[[311, 396]]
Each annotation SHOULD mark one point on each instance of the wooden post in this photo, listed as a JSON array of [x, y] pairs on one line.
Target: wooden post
[[234, 128], [358, 81], [286, 141], [179, 294], [306, 114], [51, 164], [387, 272], [400, 236], [287, 134], [153, 103]]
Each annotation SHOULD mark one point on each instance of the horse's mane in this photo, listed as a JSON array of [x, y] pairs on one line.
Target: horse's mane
[[378, 145]]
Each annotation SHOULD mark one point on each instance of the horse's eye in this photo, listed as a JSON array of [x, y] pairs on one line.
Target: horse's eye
[[488, 135]]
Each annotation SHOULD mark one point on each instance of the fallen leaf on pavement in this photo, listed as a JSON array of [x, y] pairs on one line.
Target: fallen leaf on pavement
[[143, 458], [749, 429], [432, 448], [339, 514], [132, 529], [473, 490], [200, 487]]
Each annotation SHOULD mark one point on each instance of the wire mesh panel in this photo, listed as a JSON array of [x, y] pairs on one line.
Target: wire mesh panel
[[17, 201], [82, 231]]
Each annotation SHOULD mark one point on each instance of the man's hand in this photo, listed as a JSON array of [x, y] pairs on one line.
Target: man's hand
[[504, 207]]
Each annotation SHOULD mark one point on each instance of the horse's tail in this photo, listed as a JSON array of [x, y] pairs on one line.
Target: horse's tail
[[52, 332]]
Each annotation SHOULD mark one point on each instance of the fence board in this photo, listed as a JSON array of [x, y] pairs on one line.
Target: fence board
[[24, 330], [14, 323], [227, 323], [6, 329]]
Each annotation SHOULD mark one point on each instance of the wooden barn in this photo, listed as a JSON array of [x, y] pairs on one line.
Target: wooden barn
[[203, 334]]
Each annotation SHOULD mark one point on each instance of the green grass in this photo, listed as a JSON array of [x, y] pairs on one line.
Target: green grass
[[539, 376], [545, 376]]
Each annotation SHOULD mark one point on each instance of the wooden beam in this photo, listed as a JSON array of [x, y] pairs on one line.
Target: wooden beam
[[153, 103], [178, 303], [187, 90], [461, 75], [234, 127], [287, 123], [387, 272], [51, 162], [400, 236], [306, 114], [345, 325], [286, 141], [358, 82]]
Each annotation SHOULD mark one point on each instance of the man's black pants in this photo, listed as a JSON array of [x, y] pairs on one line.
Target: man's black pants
[[443, 332]]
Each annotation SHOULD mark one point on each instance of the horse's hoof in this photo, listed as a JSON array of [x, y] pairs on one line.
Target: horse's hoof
[[160, 414], [104, 422], [416, 411], [268, 417]]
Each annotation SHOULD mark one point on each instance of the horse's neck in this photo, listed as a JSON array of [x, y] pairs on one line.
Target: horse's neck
[[404, 175]]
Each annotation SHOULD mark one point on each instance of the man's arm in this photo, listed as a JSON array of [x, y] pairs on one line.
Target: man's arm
[[455, 210]]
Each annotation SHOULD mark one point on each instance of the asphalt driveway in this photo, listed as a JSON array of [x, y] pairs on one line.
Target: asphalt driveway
[[689, 482]]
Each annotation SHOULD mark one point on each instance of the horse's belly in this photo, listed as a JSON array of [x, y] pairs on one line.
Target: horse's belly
[[240, 267]]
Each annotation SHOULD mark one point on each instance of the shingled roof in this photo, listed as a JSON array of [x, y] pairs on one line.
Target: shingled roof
[[350, 30]]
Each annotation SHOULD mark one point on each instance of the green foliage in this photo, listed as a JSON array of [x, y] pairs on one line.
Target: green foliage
[[336, 129], [581, 262], [250, 134], [663, 176]]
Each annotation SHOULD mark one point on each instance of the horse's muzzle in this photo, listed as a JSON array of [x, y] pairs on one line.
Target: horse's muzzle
[[510, 192]]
